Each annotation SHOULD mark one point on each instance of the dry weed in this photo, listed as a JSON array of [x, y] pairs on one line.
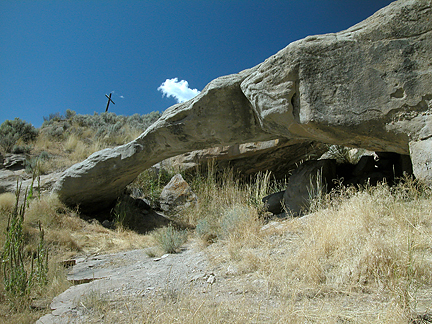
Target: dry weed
[[7, 202]]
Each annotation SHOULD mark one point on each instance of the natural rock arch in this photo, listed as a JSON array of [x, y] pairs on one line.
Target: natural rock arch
[[369, 86]]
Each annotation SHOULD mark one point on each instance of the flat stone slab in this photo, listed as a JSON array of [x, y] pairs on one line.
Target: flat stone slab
[[132, 273]]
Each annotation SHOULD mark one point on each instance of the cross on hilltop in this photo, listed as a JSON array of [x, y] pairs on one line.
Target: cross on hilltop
[[109, 100]]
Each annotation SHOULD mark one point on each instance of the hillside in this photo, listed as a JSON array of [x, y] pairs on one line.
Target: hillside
[[361, 254]]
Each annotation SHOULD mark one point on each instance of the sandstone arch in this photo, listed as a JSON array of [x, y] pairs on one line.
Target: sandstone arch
[[369, 86]]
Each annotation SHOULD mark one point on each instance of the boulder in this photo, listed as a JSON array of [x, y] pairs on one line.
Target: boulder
[[219, 115], [310, 179], [421, 156], [381, 166], [365, 165], [8, 181], [274, 203], [369, 86], [176, 195]]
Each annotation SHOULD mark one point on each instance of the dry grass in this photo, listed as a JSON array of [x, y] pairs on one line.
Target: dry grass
[[372, 242], [76, 147], [7, 202], [67, 235], [363, 256]]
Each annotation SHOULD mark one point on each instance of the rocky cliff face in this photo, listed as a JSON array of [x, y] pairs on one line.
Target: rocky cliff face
[[369, 86]]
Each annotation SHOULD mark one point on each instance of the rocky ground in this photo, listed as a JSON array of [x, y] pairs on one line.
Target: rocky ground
[[124, 277], [135, 286]]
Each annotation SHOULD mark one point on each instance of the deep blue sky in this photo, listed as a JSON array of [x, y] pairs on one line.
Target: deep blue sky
[[58, 55]]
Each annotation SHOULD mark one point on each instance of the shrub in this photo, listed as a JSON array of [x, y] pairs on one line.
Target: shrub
[[11, 131], [233, 221], [343, 154], [53, 116], [107, 127], [151, 182], [21, 149], [123, 214], [70, 114], [170, 239]]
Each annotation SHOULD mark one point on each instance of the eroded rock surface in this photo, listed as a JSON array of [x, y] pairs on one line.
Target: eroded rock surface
[[280, 156], [369, 86]]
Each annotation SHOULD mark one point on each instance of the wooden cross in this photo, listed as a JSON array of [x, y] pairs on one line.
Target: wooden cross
[[109, 100]]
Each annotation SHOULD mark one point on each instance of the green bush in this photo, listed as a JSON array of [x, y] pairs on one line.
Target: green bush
[[232, 219], [11, 131], [170, 239], [54, 116], [123, 214], [70, 114], [21, 149]]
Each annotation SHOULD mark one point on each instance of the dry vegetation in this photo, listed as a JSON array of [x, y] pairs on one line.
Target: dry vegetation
[[364, 256], [361, 255]]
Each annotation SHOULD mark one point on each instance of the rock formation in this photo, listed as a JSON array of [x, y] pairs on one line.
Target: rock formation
[[176, 195], [279, 156], [369, 86], [313, 178]]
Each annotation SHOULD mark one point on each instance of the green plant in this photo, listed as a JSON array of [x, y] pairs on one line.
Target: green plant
[[206, 230], [232, 220], [18, 279], [70, 114], [151, 182], [53, 116], [170, 239], [11, 131], [15, 277], [21, 149], [123, 214]]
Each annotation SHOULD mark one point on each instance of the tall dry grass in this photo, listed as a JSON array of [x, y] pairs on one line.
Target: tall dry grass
[[357, 242]]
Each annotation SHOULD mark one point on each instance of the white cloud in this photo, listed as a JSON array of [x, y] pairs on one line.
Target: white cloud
[[177, 89], [114, 92]]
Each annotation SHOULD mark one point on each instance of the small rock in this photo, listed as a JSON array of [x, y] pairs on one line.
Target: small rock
[[211, 279], [162, 257], [198, 276], [107, 224]]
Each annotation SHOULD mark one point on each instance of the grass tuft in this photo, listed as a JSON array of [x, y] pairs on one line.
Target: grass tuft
[[170, 239]]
